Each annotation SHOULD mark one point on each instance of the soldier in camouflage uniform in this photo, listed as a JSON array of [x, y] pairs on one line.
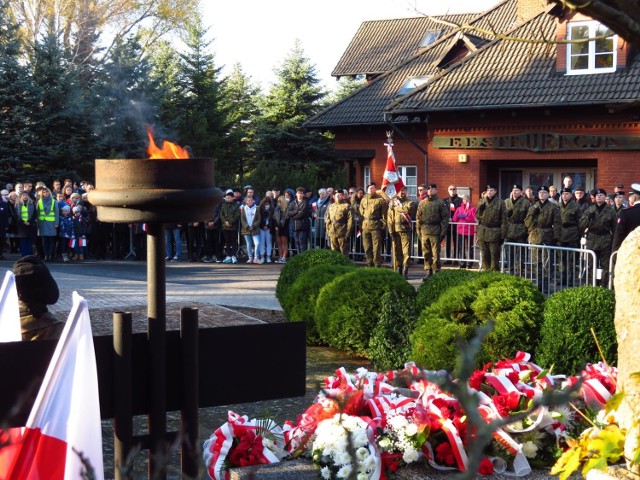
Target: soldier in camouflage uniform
[[401, 212], [339, 223], [517, 207], [543, 222], [432, 221], [355, 200], [492, 228], [599, 223], [570, 214], [373, 209]]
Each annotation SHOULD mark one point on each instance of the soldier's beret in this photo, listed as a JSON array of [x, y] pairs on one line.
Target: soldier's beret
[[516, 186], [490, 185], [543, 188], [579, 189], [600, 191], [618, 194], [566, 190], [619, 185], [433, 185]]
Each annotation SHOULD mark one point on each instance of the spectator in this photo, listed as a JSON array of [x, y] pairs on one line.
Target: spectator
[[267, 228], [48, 220], [65, 231], [80, 230], [25, 216], [453, 201], [36, 289], [213, 237], [465, 215], [299, 212], [250, 228], [282, 225], [173, 244], [229, 219], [319, 208]]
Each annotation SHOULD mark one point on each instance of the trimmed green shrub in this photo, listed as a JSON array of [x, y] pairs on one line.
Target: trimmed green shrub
[[349, 308], [513, 303], [390, 345], [565, 337], [301, 262], [300, 302], [436, 285]]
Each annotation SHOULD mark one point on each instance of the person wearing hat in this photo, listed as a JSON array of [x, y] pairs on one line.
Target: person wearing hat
[[619, 188], [299, 214], [598, 222], [629, 218], [543, 223], [432, 223], [25, 216], [581, 198], [492, 228], [229, 221], [618, 203], [339, 223], [36, 289], [517, 207], [570, 214], [402, 211], [373, 210]]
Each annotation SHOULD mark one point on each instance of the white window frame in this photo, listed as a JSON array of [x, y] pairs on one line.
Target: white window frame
[[412, 83], [366, 171], [430, 37], [409, 175], [591, 69]]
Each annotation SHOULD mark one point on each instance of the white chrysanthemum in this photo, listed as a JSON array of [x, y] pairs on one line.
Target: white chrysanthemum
[[363, 476], [397, 422], [529, 449], [410, 455], [325, 472], [385, 443], [515, 426], [533, 436], [344, 471], [411, 430], [362, 453], [342, 458], [370, 463]]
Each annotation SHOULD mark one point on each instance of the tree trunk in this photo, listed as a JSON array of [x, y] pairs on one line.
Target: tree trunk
[[627, 279]]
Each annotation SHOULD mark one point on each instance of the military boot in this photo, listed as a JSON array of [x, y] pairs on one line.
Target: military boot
[[405, 271]]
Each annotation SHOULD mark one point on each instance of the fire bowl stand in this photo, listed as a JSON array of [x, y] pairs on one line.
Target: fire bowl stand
[[155, 192]]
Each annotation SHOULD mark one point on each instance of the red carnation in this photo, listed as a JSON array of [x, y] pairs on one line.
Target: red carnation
[[486, 467], [477, 379], [444, 454]]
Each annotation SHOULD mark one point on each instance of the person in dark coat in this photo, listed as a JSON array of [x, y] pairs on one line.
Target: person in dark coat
[[36, 289], [598, 222], [629, 218], [299, 213], [5, 212], [26, 217]]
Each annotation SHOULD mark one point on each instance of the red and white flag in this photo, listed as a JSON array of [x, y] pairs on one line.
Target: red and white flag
[[391, 182], [10, 330], [63, 435]]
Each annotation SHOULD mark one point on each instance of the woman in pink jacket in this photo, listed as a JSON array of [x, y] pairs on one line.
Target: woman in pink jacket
[[465, 215]]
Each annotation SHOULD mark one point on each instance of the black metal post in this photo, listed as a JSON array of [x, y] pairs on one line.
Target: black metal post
[[123, 417], [191, 394], [156, 331]]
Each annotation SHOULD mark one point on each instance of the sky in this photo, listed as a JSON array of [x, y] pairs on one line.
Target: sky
[[259, 34]]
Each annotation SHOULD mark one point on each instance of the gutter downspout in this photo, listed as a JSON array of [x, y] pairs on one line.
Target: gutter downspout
[[406, 136]]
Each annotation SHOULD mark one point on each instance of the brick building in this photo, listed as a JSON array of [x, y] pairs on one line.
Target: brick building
[[492, 97]]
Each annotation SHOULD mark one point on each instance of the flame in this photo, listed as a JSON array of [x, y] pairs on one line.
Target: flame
[[168, 151]]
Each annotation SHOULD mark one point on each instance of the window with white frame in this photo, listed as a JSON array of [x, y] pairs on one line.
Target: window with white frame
[[409, 175], [595, 50], [412, 83], [367, 176]]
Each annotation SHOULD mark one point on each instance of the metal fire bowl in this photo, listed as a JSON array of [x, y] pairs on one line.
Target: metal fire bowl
[[164, 191]]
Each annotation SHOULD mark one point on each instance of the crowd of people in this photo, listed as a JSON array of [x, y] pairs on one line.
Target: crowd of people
[[60, 224]]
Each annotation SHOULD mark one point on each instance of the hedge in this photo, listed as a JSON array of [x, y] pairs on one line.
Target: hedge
[[349, 308], [436, 285], [566, 339], [300, 302], [513, 303], [303, 261]]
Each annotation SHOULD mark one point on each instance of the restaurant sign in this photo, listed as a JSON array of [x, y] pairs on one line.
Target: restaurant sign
[[540, 142]]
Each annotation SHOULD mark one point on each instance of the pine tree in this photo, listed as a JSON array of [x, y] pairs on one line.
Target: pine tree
[[64, 139], [202, 123], [165, 70], [125, 102], [241, 99], [294, 98], [18, 99]]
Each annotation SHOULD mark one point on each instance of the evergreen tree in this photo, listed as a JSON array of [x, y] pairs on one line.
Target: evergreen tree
[[202, 122], [346, 86], [18, 99], [241, 99], [166, 70], [60, 123], [293, 99], [125, 102]]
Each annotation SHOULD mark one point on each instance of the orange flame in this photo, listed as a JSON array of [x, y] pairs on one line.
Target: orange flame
[[168, 151]]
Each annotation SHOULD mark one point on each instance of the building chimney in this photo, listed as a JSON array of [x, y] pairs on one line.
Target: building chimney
[[527, 9]]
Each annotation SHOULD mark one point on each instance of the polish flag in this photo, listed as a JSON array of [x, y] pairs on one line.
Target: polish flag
[[391, 182], [10, 330], [63, 435]]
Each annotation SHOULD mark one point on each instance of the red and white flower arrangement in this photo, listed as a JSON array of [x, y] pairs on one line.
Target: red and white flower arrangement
[[362, 423]]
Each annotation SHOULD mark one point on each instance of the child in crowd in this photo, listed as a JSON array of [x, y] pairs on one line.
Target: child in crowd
[[80, 230], [250, 228], [65, 231]]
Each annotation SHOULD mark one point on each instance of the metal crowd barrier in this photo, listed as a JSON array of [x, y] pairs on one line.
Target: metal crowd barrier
[[612, 266], [551, 268]]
